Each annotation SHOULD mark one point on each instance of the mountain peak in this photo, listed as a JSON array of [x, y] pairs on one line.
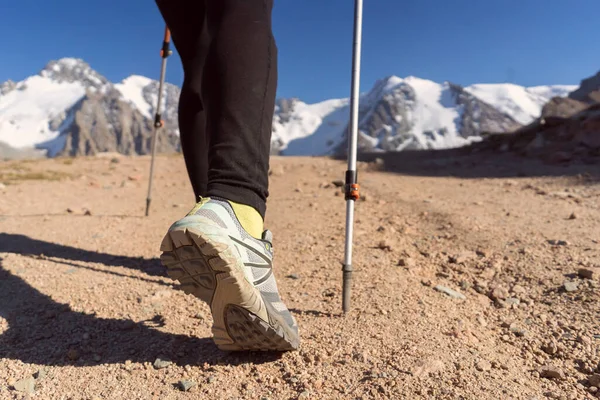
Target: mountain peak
[[70, 70]]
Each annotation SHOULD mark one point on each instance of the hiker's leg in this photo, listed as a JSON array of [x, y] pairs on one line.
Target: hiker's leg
[[240, 87], [187, 22]]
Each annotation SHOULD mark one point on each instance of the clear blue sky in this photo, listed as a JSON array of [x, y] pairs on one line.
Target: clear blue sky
[[528, 42]]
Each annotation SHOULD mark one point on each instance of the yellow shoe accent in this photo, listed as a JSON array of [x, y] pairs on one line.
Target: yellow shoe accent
[[203, 201], [249, 218]]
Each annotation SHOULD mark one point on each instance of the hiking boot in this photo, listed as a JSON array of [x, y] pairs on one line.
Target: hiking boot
[[215, 259]]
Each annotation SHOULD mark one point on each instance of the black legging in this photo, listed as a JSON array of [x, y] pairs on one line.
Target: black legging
[[227, 101]]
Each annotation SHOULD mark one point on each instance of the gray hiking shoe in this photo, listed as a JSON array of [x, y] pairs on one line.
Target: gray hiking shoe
[[216, 260]]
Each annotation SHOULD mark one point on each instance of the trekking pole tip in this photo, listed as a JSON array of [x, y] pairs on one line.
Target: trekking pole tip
[[347, 280], [148, 200]]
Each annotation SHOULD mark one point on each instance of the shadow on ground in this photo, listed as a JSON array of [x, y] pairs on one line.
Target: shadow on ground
[[45, 332], [24, 245], [463, 163]]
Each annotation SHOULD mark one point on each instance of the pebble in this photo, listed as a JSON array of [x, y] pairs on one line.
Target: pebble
[[462, 257], [586, 273], [26, 385], [558, 242], [571, 286], [40, 374], [483, 366], [160, 364], [573, 216], [592, 389], [499, 293], [185, 385], [384, 245], [512, 300], [211, 379], [452, 293], [594, 380], [293, 276], [304, 395], [406, 262], [551, 372], [338, 183], [518, 331]]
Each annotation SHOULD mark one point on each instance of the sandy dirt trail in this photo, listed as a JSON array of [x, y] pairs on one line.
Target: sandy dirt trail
[[465, 288]]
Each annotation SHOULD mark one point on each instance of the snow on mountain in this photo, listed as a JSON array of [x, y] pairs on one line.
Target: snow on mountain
[[132, 89], [524, 104], [322, 122], [41, 111], [69, 108], [409, 113], [29, 113]]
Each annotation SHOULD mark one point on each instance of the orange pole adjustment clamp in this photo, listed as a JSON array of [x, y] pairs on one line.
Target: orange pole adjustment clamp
[[352, 188], [165, 51]]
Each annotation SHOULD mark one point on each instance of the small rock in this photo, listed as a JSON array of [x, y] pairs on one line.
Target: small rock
[[550, 348], [517, 330], [160, 364], [587, 273], [573, 216], [134, 177], [512, 300], [452, 293], [338, 183], [594, 380], [26, 385], [293, 276], [424, 368], [518, 289], [499, 293], [41, 374], [571, 286], [483, 366], [462, 257], [87, 212], [70, 211], [304, 395], [558, 242], [551, 372], [211, 379], [384, 245], [185, 385], [406, 262]]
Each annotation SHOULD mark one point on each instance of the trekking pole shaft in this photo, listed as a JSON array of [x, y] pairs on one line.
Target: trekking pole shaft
[[351, 178], [158, 123]]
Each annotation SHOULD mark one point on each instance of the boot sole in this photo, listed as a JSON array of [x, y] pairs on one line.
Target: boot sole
[[204, 262]]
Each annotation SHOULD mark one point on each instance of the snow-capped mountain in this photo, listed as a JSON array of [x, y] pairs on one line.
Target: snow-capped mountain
[[409, 113], [70, 109]]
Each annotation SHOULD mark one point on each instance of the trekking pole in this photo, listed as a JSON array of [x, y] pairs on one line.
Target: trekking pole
[[352, 187], [158, 122]]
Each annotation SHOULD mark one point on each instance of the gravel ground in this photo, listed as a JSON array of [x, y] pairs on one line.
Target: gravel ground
[[465, 288]]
